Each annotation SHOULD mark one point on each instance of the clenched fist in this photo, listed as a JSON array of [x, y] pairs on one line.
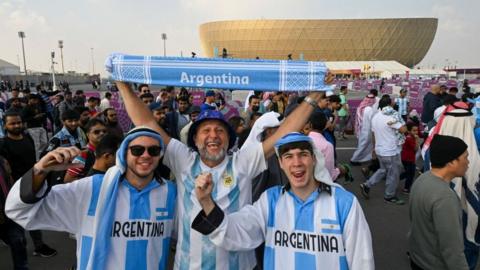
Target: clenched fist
[[203, 190]]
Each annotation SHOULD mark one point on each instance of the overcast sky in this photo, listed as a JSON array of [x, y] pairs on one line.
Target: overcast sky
[[135, 26]]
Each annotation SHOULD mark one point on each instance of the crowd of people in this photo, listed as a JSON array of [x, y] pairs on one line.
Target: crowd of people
[[261, 189]]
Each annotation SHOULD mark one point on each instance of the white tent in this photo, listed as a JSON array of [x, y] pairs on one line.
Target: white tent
[[7, 68]]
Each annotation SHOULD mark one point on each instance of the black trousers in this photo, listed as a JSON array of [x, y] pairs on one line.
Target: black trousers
[[14, 236]]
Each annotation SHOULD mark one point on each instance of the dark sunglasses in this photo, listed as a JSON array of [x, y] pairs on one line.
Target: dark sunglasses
[[138, 150], [98, 131]]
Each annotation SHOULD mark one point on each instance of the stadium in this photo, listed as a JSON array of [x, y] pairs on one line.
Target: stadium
[[404, 40]]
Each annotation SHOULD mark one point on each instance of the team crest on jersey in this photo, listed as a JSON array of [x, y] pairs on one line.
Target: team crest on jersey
[[227, 180]]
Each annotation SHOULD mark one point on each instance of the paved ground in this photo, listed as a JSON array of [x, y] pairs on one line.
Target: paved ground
[[388, 223]]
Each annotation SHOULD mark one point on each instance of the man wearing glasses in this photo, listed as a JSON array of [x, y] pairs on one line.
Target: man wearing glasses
[[96, 130], [122, 219], [143, 89], [209, 143]]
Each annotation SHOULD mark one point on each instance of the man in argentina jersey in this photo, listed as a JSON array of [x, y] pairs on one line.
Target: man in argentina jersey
[[210, 140], [122, 219], [311, 223]]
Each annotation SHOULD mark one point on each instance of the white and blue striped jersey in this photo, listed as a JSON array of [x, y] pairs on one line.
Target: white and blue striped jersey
[[402, 104], [232, 190], [142, 227], [326, 231]]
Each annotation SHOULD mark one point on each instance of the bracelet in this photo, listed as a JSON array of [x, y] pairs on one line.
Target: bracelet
[[311, 102]]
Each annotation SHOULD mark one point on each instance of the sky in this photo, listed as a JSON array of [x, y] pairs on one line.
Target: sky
[[92, 29]]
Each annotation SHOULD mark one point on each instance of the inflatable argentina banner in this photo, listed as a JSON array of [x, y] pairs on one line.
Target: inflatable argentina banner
[[219, 73]]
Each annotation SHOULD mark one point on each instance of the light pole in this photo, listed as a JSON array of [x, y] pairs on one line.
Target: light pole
[[93, 61], [164, 37], [60, 45], [21, 35], [52, 54]]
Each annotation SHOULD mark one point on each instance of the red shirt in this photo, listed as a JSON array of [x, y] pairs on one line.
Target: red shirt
[[408, 149], [82, 158], [93, 113]]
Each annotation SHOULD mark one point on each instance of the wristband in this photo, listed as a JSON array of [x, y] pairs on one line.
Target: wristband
[[311, 102]]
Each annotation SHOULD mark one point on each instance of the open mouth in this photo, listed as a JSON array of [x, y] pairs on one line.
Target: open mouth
[[213, 146], [298, 174], [145, 165]]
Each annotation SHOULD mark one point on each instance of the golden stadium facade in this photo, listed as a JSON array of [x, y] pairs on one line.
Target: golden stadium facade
[[405, 40]]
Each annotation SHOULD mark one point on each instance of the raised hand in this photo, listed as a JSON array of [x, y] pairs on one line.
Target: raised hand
[[203, 190], [329, 78], [59, 159]]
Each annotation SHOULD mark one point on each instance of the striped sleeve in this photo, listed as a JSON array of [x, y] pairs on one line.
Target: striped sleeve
[[235, 234], [78, 171], [358, 240]]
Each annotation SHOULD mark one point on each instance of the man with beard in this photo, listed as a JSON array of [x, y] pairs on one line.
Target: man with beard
[[176, 120], [111, 121], [15, 105], [253, 107], [122, 219], [209, 140], [159, 113], [84, 117], [19, 149]]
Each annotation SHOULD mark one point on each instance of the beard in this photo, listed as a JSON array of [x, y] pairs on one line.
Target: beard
[[15, 131], [140, 175], [202, 150]]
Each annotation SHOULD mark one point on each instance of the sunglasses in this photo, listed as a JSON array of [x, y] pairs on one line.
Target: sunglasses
[[138, 150], [98, 131]]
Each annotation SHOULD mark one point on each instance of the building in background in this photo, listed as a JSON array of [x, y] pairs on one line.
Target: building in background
[[405, 40], [7, 68]]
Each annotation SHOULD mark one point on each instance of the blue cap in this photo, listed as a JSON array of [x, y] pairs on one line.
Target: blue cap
[[210, 93], [210, 115], [290, 138], [155, 106]]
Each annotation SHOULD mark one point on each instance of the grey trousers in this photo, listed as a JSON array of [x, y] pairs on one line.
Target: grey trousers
[[39, 136], [390, 168]]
